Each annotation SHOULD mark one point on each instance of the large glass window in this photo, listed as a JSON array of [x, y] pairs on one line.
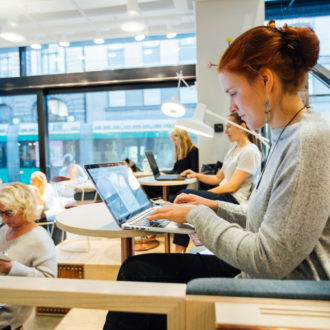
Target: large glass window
[[18, 138], [113, 125], [9, 62], [113, 54]]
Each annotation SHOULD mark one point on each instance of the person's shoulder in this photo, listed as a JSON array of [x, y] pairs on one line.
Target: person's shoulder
[[251, 148], [315, 128]]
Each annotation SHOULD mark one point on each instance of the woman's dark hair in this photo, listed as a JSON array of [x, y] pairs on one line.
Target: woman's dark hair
[[238, 120], [289, 51]]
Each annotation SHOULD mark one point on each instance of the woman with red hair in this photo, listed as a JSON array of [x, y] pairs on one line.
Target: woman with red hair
[[284, 233]]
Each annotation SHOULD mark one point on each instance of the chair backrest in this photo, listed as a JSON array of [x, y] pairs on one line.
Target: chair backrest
[[56, 179], [63, 189]]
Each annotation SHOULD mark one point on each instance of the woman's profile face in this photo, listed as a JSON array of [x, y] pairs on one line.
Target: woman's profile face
[[12, 218], [233, 133], [246, 98], [175, 140], [35, 181]]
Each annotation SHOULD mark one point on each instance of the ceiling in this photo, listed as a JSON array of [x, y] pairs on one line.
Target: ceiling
[[47, 21], [50, 21]]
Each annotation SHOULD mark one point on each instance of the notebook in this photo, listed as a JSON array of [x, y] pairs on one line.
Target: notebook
[[155, 170], [126, 200]]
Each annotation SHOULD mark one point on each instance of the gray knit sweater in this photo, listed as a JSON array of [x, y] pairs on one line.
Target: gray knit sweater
[[284, 232], [34, 255]]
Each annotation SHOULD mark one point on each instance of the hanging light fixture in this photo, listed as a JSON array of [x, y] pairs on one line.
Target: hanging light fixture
[[196, 124], [173, 107]]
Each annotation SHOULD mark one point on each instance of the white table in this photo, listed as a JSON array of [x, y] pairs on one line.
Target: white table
[[165, 184], [96, 220]]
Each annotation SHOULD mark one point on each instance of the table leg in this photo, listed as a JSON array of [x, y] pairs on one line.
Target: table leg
[[127, 248], [167, 236], [166, 193]]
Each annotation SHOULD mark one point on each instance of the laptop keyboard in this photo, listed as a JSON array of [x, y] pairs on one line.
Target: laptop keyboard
[[154, 223], [142, 221]]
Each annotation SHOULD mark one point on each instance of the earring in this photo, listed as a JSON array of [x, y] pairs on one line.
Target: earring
[[267, 111]]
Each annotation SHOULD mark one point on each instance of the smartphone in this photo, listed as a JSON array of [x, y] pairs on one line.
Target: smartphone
[[3, 256]]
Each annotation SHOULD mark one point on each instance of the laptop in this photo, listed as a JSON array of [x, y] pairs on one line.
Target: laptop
[[126, 200], [155, 169]]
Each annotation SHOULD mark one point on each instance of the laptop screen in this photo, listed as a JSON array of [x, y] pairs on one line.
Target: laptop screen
[[152, 163], [119, 188]]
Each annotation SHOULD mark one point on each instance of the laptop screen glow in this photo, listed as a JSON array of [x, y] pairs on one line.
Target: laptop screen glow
[[119, 189]]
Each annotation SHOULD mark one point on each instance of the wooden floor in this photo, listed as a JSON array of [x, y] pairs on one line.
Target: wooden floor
[[102, 261]]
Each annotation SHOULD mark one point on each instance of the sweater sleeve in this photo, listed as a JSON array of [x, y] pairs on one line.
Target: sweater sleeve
[[294, 220]]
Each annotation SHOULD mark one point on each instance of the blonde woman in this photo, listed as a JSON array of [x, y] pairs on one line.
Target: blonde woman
[[28, 246], [47, 200], [185, 157], [185, 152]]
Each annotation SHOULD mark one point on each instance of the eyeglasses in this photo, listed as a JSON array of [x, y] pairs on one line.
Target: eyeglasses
[[7, 213]]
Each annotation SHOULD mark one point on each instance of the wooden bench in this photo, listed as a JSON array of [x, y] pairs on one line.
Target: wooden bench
[[184, 311]]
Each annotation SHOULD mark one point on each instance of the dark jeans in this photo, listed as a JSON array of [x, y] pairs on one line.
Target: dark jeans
[[183, 239], [165, 268]]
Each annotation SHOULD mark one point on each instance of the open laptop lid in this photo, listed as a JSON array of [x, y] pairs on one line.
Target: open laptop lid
[[152, 162], [119, 189]]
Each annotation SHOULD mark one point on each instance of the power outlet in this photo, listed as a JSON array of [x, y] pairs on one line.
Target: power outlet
[[218, 128]]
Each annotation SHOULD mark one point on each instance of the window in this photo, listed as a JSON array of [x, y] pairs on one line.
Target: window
[[113, 54], [116, 125], [18, 138], [9, 62]]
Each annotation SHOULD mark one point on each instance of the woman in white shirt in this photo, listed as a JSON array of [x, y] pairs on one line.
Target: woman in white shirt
[[47, 200], [235, 179]]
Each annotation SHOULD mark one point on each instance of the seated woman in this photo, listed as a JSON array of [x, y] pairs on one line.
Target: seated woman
[[72, 170], [240, 168], [47, 200], [284, 230], [31, 250], [185, 157]]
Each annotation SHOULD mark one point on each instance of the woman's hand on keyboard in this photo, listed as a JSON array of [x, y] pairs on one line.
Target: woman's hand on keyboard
[[173, 212], [196, 200]]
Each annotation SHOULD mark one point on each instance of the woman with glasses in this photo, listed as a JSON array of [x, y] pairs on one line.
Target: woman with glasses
[[28, 248]]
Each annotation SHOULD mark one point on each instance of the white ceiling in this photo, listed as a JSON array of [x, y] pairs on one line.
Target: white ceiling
[[48, 21]]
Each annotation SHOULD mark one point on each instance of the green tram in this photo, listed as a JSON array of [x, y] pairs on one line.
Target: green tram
[[97, 142]]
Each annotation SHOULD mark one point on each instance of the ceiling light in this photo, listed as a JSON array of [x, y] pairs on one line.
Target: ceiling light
[[133, 27], [139, 37], [170, 35], [12, 36], [35, 46], [173, 108], [132, 7], [64, 43], [99, 41]]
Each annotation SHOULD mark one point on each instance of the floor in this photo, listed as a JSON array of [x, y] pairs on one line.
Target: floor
[[102, 251]]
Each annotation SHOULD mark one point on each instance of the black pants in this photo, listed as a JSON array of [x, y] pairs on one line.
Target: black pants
[[165, 268], [183, 239]]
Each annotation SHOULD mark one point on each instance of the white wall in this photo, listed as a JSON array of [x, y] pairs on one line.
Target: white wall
[[217, 20]]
